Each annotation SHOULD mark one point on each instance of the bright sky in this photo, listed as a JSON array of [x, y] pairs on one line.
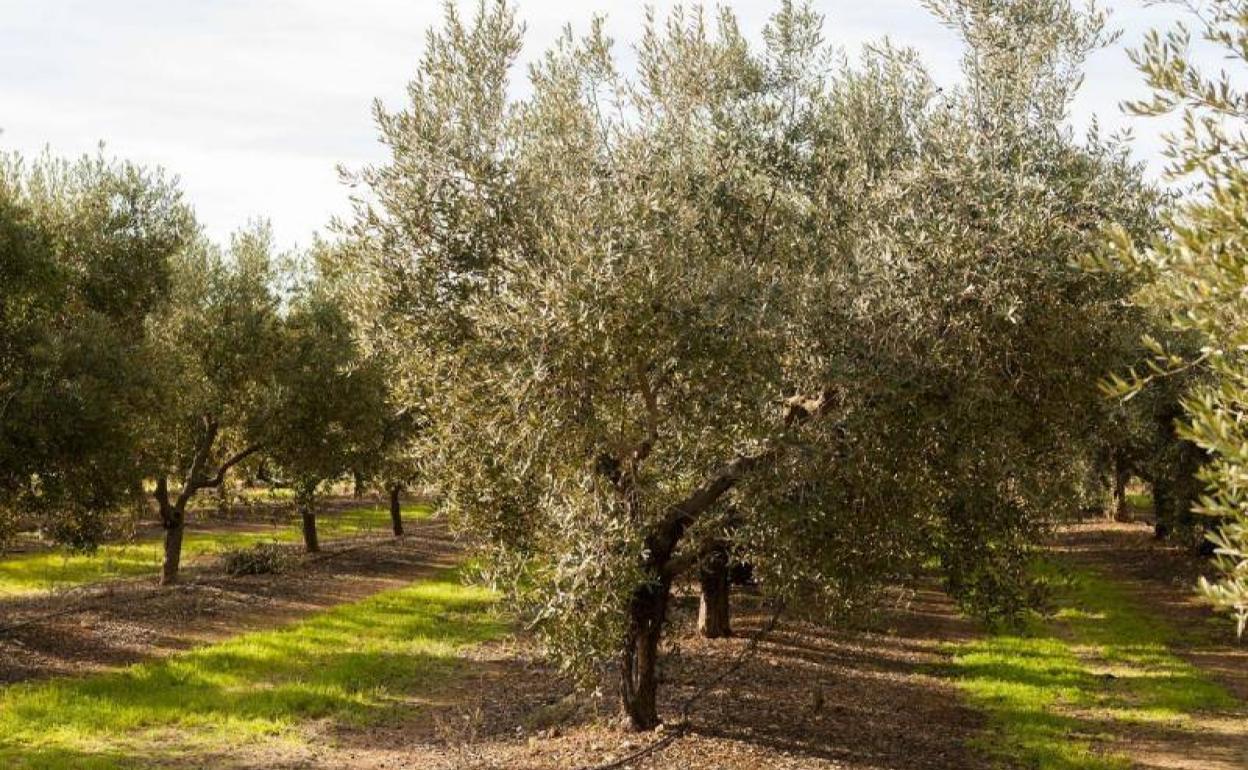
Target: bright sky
[[252, 103]]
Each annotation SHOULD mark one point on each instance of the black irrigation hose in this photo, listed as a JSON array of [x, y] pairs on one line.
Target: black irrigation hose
[[687, 706]]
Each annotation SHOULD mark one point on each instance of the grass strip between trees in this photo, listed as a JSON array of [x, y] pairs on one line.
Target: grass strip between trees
[[360, 663], [1058, 692], [30, 573]]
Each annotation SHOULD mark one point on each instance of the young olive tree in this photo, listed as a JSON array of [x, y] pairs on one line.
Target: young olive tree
[[218, 339], [1196, 272], [86, 249], [822, 317], [327, 413]]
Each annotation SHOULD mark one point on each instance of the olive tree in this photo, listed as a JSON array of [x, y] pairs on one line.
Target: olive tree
[[217, 341], [326, 415], [820, 316], [1195, 272], [85, 248]]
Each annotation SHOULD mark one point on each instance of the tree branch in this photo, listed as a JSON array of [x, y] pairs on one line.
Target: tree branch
[[230, 463]]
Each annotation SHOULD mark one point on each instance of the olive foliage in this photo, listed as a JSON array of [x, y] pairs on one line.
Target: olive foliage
[[824, 310], [217, 339], [85, 254], [1197, 270]]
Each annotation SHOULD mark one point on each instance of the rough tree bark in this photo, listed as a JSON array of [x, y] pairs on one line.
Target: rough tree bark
[[307, 514], [639, 684], [714, 608], [173, 510], [396, 511]]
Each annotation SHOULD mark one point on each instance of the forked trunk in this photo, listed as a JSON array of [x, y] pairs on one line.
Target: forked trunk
[[639, 659], [173, 521], [396, 512], [714, 611]]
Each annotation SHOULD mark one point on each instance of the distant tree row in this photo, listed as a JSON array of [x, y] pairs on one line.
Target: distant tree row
[[136, 354]]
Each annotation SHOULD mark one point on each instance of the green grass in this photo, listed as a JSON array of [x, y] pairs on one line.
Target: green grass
[[361, 663], [1142, 501], [28, 573], [1055, 692]]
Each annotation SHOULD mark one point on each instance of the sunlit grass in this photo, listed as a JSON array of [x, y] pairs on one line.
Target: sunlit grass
[[1054, 691], [357, 664], [39, 571]]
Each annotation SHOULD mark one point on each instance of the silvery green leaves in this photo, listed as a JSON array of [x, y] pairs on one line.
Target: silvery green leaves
[[1195, 274], [822, 311]]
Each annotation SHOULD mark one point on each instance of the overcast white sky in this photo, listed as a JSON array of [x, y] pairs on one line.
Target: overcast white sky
[[253, 102]]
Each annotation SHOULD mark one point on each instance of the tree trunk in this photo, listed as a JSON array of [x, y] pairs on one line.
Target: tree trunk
[[357, 485], [173, 552], [1122, 475], [1161, 509], [639, 660], [173, 521], [714, 611], [396, 512], [310, 542]]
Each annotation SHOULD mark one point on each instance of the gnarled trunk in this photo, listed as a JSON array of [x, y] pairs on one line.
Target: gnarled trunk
[[639, 684], [714, 610], [173, 521], [396, 512]]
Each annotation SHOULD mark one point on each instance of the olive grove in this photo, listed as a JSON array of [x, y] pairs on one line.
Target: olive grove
[[822, 316]]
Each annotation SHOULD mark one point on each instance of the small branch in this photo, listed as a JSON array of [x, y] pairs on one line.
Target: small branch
[[230, 463]]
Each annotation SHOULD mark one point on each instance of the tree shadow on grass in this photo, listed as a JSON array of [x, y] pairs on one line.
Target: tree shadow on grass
[[354, 664]]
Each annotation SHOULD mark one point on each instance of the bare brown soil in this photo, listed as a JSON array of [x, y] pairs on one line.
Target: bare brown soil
[[809, 697]]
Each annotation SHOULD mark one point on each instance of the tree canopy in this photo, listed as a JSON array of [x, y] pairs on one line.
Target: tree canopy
[[826, 311], [86, 249]]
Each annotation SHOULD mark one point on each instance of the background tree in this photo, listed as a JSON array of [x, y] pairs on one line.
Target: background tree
[[86, 248], [217, 342], [327, 413], [1196, 272], [823, 313]]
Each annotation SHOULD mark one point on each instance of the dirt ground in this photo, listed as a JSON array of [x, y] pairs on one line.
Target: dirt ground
[[125, 621], [1160, 577], [808, 697]]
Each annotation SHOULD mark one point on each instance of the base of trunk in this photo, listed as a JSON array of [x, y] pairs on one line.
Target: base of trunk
[[173, 554], [310, 541], [639, 660], [396, 512], [714, 610]]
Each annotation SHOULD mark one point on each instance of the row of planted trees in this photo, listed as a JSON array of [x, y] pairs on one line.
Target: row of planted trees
[[749, 305], [754, 305], [761, 306], [139, 356]]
